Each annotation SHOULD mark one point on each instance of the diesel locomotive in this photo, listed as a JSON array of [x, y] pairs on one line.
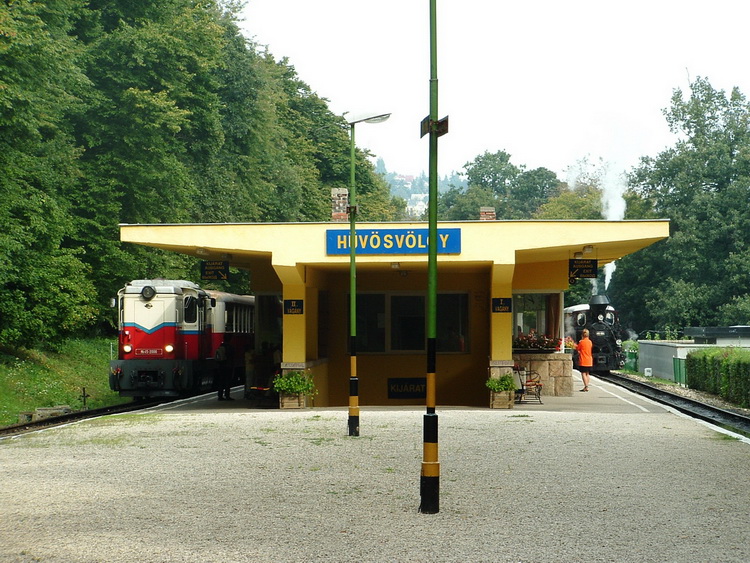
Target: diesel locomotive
[[169, 331], [605, 332]]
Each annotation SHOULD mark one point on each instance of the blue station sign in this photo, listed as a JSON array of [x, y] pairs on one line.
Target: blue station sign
[[392, 241]]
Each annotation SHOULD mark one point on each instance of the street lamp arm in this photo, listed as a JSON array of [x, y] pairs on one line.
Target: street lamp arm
[[368, 118]]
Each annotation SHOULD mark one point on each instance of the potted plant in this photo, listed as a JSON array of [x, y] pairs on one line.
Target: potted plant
[[502, 391], [293, 388]]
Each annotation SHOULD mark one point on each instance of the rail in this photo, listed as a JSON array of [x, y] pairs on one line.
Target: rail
[[25, 427], [708, 413]]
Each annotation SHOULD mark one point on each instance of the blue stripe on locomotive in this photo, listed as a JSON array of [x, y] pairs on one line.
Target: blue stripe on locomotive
[[161, 326], [148, 330]]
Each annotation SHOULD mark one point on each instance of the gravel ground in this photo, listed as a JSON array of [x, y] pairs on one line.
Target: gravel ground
[[250, 485]]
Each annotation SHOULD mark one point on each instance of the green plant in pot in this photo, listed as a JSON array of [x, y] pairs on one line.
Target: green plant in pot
[[502, 391], [294, 382], [502, 383]]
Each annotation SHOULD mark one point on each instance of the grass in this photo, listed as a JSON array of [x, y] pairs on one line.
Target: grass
[[30, 379]]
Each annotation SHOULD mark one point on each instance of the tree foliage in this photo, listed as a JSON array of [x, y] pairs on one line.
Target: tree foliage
[[44, 289], [114, 111], [493, 181], [697, 277]]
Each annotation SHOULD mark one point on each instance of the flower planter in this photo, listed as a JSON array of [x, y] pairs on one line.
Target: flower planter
[[292, 401], [502, 399]]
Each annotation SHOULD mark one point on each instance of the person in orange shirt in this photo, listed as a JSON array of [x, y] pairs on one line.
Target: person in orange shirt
[[585, 358]]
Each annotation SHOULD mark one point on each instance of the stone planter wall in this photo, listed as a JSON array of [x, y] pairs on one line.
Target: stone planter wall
[[556, 371]]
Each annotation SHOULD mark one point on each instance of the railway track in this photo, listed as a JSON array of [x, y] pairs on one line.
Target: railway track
[[720, 417], [52, 421]]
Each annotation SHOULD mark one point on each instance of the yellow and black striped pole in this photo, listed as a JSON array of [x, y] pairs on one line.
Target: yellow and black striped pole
[[429, 486]]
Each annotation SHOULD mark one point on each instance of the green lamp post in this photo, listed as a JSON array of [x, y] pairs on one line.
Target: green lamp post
[[352, 210]]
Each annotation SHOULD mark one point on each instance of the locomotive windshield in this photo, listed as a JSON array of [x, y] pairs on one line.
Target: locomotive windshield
[[191, 309]]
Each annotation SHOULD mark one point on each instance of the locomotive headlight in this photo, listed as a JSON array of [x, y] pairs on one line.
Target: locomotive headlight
[[169, 348], [618, 342], [127, 348]]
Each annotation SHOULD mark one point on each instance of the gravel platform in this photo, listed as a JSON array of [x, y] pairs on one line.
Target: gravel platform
[[236, 484]]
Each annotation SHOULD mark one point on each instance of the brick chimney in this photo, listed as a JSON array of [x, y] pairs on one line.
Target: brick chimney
[[339, 203], [486, 213]]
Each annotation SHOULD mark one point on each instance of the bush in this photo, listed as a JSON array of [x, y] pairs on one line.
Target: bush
[[721, 371]]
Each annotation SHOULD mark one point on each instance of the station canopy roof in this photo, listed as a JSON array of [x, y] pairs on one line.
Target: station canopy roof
[[482, 243]]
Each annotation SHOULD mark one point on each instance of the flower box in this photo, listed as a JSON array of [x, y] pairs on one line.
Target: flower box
[[502, 399], [292, 401]]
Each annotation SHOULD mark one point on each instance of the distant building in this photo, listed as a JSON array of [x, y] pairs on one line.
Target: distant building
[[417, 205]]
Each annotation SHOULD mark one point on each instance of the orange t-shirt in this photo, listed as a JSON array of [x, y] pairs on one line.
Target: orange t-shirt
[[585, 359]]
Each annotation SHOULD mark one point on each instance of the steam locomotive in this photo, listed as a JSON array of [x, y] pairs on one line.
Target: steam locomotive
[[605, 332], [169, 331]]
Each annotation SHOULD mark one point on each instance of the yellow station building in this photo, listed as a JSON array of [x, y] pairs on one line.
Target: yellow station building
[[495, 279]]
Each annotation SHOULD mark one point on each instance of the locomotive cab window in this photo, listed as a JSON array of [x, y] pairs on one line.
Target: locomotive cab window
[[191, 309]]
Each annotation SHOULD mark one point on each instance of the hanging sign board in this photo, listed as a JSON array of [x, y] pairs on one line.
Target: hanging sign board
[[214, 270], [580, 268]]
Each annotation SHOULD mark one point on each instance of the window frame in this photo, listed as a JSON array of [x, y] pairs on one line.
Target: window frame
[[388, 320]]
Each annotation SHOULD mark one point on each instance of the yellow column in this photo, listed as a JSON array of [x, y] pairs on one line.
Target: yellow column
[[295, 325], [294, 343], [501, 324]]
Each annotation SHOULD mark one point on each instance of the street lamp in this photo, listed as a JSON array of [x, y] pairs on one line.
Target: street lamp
[[352, 210]]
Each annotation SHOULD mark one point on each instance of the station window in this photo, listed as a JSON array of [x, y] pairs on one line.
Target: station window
[[370, 323], [407, 323], [537, 312], [398, 323]]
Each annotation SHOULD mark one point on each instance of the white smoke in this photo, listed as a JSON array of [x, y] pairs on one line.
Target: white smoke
[[613, 186], [613, 183]]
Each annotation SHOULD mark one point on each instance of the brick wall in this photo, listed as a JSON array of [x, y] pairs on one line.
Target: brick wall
[[486, 213], [339, 203]]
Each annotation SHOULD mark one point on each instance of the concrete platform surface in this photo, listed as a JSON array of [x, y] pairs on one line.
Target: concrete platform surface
[[600, 476]]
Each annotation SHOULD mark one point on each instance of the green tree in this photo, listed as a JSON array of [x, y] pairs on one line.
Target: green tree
[[584, 201], [531, 190], [44, 293], [493, 181], [696, 277]]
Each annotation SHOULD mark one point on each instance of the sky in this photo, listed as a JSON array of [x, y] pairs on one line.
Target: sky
[[549, 82]]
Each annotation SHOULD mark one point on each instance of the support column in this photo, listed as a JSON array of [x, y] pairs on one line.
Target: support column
[[294, 348], [501, 321]]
